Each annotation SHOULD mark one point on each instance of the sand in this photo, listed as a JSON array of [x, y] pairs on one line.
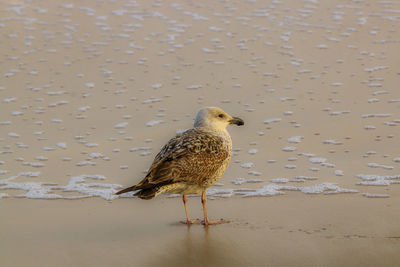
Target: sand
[[90, 91], [288, 230]]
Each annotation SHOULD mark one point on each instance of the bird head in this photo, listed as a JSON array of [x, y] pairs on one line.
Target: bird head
[[215, 118]]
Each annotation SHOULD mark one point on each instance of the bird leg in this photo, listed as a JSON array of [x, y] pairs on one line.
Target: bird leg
[[188, 220], [206, 221]]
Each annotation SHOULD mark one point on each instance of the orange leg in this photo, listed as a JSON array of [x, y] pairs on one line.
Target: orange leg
[[188, 220], [206, 221]]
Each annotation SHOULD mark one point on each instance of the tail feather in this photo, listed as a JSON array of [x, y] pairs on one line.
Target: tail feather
[[129, 189], [145, 190], [147, 193]]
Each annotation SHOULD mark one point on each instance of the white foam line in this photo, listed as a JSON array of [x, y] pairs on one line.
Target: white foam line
[[371, 195], [275, 189], [77, 184], [372, 179], [239, 181]]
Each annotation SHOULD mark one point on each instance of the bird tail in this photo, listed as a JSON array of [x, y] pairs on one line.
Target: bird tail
[[129, 189], [147, 193], [145, 190]]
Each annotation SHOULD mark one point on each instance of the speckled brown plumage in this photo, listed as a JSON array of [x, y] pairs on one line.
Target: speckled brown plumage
[[191, 161], [197, 157]]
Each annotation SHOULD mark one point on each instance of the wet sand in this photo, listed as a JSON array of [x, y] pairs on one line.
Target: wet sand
[[278, 231], [90, 91]]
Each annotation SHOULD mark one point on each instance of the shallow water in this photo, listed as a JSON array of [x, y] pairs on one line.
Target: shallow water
[[92, 90]]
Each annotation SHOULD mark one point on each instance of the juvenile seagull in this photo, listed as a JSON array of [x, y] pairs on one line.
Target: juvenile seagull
[[191, 161]]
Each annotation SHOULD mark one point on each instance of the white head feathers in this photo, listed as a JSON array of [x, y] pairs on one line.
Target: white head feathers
[[215, 118]]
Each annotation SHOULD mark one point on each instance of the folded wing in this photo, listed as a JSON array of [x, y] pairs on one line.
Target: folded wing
[[191, 157]]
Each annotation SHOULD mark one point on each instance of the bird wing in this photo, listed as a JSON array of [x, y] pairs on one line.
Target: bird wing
[[191, 157]]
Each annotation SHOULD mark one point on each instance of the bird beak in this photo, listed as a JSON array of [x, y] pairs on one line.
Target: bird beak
[[237, 121]]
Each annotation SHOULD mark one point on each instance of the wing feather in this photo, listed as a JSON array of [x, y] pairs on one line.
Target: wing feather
[[191, 157]]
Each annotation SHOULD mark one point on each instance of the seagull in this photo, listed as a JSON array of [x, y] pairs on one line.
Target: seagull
[[191, 161]]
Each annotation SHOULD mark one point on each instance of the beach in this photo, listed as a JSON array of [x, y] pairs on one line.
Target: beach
[[283, 231], [91, 91]]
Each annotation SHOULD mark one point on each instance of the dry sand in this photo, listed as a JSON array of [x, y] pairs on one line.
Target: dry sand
[[96, 88]]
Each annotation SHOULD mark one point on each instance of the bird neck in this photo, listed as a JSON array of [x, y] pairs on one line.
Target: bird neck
[[212, 128], [211, 125]]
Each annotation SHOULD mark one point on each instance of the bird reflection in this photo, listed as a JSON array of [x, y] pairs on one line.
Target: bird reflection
[[201, 246]]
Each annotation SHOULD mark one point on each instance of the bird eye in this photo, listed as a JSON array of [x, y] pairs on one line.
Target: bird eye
[[221, 115]]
